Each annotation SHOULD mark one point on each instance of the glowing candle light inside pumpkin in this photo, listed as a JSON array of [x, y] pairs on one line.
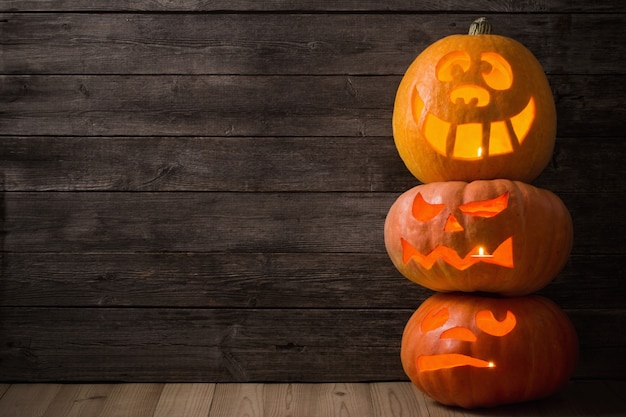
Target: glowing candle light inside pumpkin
[[481, 253]]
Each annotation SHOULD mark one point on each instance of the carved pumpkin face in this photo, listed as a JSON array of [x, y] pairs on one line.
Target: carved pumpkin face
[[475, 107], [497, 236], [473, 351], [478, 88]]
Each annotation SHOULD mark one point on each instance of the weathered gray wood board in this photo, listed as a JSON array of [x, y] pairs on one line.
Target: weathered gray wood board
[[477, 6], [202, 344], [242, 222], [196, 191], [278, 43], [281, 105], [279, 164]]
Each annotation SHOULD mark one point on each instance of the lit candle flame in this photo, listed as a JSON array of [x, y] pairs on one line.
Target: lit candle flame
[[480, 151], [481, 253], [491, 365]]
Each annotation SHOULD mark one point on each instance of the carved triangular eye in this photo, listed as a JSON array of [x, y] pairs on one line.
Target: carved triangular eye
[[424, 211], [486, 208]]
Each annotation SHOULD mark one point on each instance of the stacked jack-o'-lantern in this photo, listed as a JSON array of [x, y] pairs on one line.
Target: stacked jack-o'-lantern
[[474, 120]]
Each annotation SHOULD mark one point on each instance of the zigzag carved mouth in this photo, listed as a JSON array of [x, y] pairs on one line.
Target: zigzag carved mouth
[[502, 256]]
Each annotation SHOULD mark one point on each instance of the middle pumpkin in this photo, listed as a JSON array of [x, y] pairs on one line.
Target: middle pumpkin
[[497, 236]]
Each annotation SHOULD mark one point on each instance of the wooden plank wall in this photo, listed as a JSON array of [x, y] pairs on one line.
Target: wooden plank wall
[[196, 190]]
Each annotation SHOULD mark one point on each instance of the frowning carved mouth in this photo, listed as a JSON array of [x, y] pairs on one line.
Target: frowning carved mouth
[[473, 141], [450, 360], [502, 256]]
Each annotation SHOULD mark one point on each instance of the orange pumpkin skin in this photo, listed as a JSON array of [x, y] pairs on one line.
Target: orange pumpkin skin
[[427, 95], [436, 244], [532, 360]]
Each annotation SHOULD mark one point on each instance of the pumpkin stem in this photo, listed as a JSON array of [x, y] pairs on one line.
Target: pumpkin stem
[[480, 26]]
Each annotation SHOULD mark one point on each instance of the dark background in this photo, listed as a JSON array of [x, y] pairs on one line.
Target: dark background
[[196, 190]]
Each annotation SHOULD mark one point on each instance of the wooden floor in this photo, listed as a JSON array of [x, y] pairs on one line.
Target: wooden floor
[[579, 398]]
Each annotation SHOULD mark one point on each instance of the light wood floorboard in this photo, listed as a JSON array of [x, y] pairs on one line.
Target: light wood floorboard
[[185, 400], [382, 399]]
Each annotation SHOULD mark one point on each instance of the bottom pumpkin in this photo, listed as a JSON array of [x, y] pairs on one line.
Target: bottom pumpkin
[[479, 351]]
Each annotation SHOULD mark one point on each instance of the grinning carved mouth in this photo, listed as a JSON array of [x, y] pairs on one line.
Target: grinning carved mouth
[[450, 360], [473, 141], [502, 256]]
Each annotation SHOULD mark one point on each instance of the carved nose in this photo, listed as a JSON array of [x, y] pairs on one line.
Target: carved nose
[[452, 224], [471, 94], [459, 333]]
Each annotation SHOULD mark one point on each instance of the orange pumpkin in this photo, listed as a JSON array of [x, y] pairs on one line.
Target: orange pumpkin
[[496, 236], [475, 106], [475, 351]]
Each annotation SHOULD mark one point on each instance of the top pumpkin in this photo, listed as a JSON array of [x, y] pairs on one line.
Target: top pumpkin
[[475, 106]]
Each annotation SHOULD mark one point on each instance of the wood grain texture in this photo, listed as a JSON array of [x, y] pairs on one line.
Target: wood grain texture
[[132, 400], [200, 344], [264, 164], [222, 345], [238, 400], [243, 222], [397, 399], [78, 400], [195, 222], [482, 6], [196, 190], [28, 400], [197, 105], [366, 44], [330, 399], [256, 105], [185, 400], [261, 280], [205, 164], [388, 399]]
